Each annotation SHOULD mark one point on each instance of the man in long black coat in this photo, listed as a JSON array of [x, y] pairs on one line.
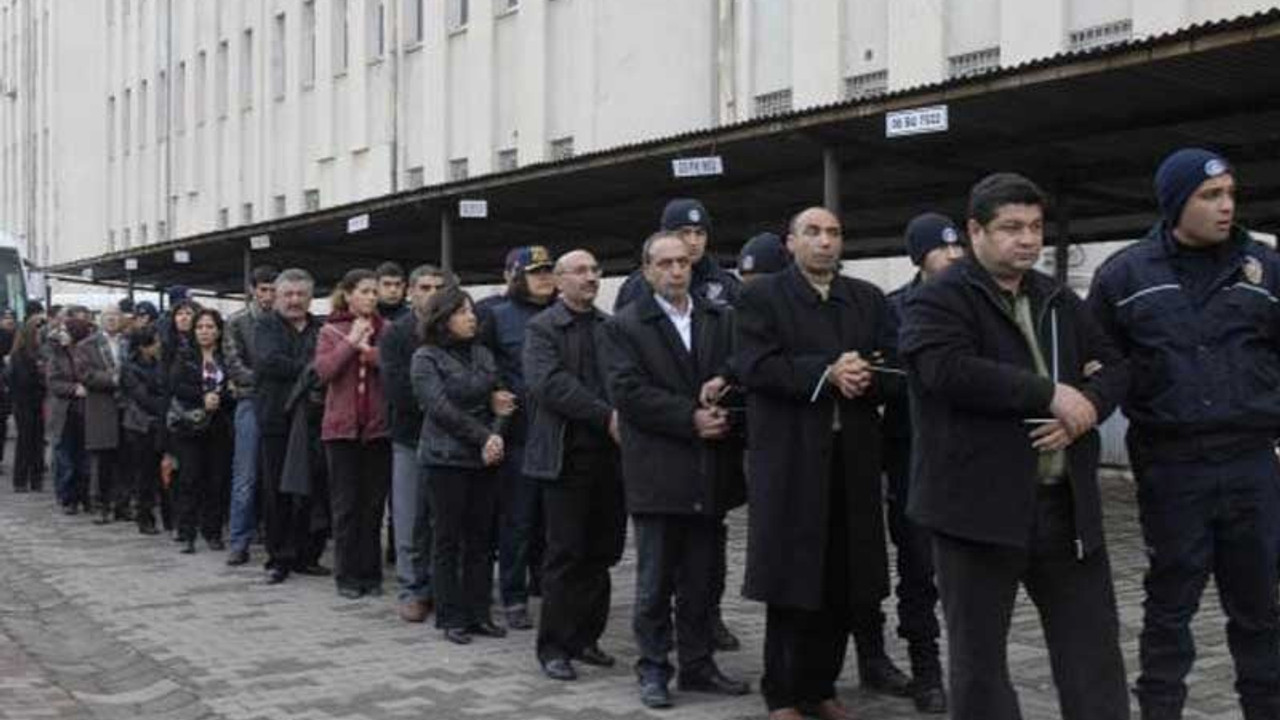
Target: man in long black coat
[[815, 546], [667, 356]]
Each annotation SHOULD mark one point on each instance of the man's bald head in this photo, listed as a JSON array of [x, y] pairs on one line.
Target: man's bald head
[[578, 279], [816, 241]]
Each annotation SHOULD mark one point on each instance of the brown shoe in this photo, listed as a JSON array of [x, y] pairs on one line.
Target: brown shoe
[[786, 714], [414, 611], [834, 710]]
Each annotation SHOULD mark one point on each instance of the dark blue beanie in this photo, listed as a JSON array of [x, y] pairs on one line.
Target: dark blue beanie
[[685, 212], [1179, 176], [763, 254], [928, 232]]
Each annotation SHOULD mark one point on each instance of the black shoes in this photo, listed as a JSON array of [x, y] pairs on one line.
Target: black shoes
[[711, 680], [882, 676], [593, 655], [518, 618], [559, 669], [457, 636], [487, 629], [929, 697], [315, 570], [349, 592], [188, 547], [237, 558], [275, 576], [723, 638]]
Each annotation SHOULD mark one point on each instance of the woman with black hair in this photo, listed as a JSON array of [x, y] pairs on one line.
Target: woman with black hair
[[199, 421], [456, 383], [26, 393], [146, 400]]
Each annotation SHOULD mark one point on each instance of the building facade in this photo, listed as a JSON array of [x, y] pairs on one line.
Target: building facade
[[127, 122]]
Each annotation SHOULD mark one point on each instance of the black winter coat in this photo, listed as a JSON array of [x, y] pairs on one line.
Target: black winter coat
[[655, 385], [146, 399], [453, 386], [284, 354], [395, 354], [973, 384], [787, 336]]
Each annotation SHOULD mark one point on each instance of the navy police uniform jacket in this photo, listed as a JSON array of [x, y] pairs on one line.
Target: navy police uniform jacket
[[1205, 360]]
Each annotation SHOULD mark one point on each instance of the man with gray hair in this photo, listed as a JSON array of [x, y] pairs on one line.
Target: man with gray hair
[[410, 506], [285, 386]]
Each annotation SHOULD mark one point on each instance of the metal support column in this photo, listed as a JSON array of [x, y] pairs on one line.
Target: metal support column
[[1062, 244], [248, 275], [446, 240], [831, 181], [129, 275]]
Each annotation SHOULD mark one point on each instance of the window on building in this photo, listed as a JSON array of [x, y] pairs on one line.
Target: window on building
[[562, 148], [459, 13], [126, 122], [311, 200], [974, 63], [1100, 36], [202, 85], [416, 178], [246, 213], [414, 21], [224, 218], [162, 108], [376, 29], [308, 63], [341, 38], [142, 114], [774, 103], [180, 99], [508, 160], [111, 127], [277, 57], [866, 85], [128, 238], [458, 169], [222, 78], [280, 205], [246, 70]]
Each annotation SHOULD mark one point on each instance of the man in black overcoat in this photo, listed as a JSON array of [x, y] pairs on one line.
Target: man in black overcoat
[[667, 357], [816, 545]]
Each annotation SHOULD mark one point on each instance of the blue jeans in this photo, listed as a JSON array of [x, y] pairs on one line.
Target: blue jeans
[[411, 518], [244, 476], [71, 463], [520, 539]]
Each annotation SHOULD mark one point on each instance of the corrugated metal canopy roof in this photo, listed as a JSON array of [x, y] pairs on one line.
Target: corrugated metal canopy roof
[[1090, 127]]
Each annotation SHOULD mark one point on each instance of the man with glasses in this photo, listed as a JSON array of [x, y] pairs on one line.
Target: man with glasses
[[573, 451]]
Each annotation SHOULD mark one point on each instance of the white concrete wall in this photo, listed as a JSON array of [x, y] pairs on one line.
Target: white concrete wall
[[602, 72]]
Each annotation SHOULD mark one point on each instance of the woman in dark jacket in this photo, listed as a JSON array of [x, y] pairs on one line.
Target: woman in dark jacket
[[354, 432], [173, 341], [456, 383], [26, 392], [146, 399], [198, 381]]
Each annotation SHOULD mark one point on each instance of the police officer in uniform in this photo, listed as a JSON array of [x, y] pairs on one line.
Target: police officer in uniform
[[1196, 308]]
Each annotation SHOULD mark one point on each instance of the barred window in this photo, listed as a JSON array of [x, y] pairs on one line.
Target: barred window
[[774, 103], [562, 148], [1100, 36], [866, 85], [974, 63]]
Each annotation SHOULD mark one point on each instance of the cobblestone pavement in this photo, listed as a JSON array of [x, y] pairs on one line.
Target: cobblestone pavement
[[100, 622]]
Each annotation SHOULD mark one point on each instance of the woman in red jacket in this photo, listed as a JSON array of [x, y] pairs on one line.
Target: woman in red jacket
[[354, 431]]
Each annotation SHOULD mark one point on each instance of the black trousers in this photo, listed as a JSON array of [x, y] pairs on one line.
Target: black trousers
[[464, 501], [586, 524], [979, 583], [804, 648], [359, 473], [290, 541], [28, 470], [143, 463], [916, 592], [112, 485], [204, 472], [675, 560]]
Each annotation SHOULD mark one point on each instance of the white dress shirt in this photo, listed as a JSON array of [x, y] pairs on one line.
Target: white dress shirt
[[682, 320]]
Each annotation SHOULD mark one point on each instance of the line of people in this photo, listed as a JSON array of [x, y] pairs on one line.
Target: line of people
[[955, 417]]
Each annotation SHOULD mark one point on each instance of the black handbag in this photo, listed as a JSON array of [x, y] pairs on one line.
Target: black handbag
[[183, 421]]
